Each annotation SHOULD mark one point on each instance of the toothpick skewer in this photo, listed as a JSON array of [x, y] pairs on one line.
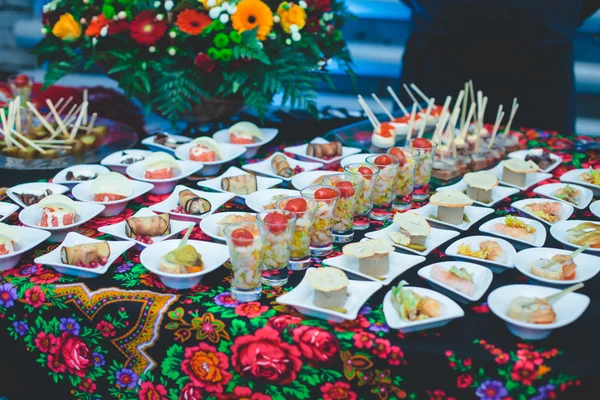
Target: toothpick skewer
[[18, 113], [50, 141], [411, 122], [456, 108], [463, 113], [572, 255], [412, 96], [385, 110], [397, 100], [465, 129], [499, 117], [471, 91], [557, 296], [426, 117], [72, 115], [78, 122], [57, 118], [14, 141], [29, 142], [5, 129], [92, 122], [416, 89], [513, 111], [368, 112], [55, 146], [41, 118], [85, 100]]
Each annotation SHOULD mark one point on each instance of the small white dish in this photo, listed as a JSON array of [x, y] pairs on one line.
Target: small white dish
[[258, 200], [532, 178], [230, 153], [32, 215], [449, 310], [149, 143], [161, 186], [559, 232], [300, 151], [269, 134], [210, 227], [262, 183], [61, 177], [170, 204], [113, 161], [567, 309], [584, 200], [6, 210], [499, 193], [34, 187], [595, 208], [475, 214], [521, 154], [305, 179], [302, 298], [436, 238], [540, 231], [264, 167], [53, 258], [355, 158], [474, 241], [30, 238], [574, 176], [482, 279], [118, 229], [213, 256], [566, 209], [111, 208], [587, 265]]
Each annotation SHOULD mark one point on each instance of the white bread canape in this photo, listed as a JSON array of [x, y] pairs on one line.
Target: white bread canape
[[330, 286], [515, 171], [451, 206], [414, 229], [373, 256], [480, 185]]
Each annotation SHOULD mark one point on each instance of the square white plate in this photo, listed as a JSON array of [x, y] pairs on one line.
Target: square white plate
[[475, 214], [269, 134], [355, 158], [531, 179], [118, 229], [473, 241], [300, 151], [305, 179], [499, 193], [573, 176], [584, 200], [264, 167], [72, 239], [34, 186], [82, 192], [170, 204], [595, 208], [540, 230], [113, 161], [521, 154], [482, 278], [559, 232], [149, 143], [210, 227], [587, 265], [61, 177], [449, 310], [302, 298], [566, 209], [30, 238], [6, 210], [436, 238], [258, 200], [262, 183], [230, 153]]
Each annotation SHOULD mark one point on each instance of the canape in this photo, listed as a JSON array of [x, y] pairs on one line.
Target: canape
[[451, 206]]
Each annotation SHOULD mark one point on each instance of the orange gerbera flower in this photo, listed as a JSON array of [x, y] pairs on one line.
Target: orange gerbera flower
[[251, 14], [192, 22], [96, 25]]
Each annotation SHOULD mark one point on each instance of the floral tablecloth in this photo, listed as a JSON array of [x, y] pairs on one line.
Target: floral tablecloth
[[124, 335]]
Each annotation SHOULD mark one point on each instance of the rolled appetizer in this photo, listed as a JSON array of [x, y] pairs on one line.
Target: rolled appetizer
[[412, 307], [560, 267], [516, 229], [58, 211], [451, 206], [324, 150], [87, 255], [144, 228], [240, 184], [281, 166], [515, 171], [182, 260], [111, 186], [160, 165], [373, 256], [245, 133], [206, 149], [9, 238], [330, 286], [191, 204], [457, 278]]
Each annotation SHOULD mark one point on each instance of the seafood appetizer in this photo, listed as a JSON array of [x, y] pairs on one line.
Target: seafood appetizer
[[383, 192], [516, 229], [249, 219], [488, 250], [531, 310], [80, 175], [182, 260], [549, 211], [404, 182], [592, 176], [281, 166], [245, 249], [585, 234], [278, 233], [111, 186], [58, 211], [33, 196], [480, 185], [539, 156], [384, 136], [191, 204], [414, 230], [206, 149], [144, 228], [349, 186], [515, 171], [9, 239], [272, 204], [368, 174], [324, 150], [560, 267], [245, 133], [321, 235], [331, 288], [304, 210], [373, 256], [425, 164], [568, 194], [240, 184], [457, 278], [451, 207], [412, 307], [88, 255], [160, 165], [167, 140], [130, 158]]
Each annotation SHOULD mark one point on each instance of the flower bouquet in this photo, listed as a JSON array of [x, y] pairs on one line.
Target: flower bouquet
[[176, 56]]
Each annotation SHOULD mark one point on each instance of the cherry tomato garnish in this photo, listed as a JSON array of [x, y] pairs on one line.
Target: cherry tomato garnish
[[242, 237], [297, 204], [276, 222], [325, 194], [399, 154], [365, 171], [383, 159], [421, 143], [346, 188], [21, 80]]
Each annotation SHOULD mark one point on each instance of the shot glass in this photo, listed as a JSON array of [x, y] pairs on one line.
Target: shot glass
[[304, 210], [405, 177], [245, 250], [364, 199], [424, 166], [350, 187], [277, 231], [321, 235], [21, 85], [383, 192]]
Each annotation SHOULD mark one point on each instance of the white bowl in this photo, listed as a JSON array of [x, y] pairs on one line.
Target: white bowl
[[6, 210], [559, 232], [213, 255], [72, 239], [61, 177], [113, 161], [111, 208], [264, 167], [584, 200], [230, 153], [566, 209], [475, 214], [30, 238], [573, 176], [258, 200], [32, 215], [209, 224], [355, 158], [482, 279], [499, 193], [436, 238], [149, 143], [161, 186], [262, 183], [305, 179], [567, 308], [532, 178], [269, 134], [521, 154], [595, 208], [34, 186], [300, 151], [448, 308], [540, 231], [473, 241], [170, 204]]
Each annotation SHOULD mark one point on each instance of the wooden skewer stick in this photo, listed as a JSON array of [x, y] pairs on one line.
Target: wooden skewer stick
[[5, 129], [14, 141], [92, 122], [29, 142], [471, 91], [78, 122], [446, 105], [572, 255], [456, 108], [440, 126], [385, 110], [397, 100], [368, 112], [58, 103], [85, 100], [499, 117], [426, 117], [557, 296], [18, 113], [411, 122], [513, 111], [73, 113], [412, 96], [50, 141], [41, 118], [55, 146], [463, 114], [465, 129], [57, 118], [419, 92], [64, 106]]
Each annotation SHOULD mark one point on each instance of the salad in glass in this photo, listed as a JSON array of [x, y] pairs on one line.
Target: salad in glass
[[321, 235], [245, 250], [383, 192], [350, 186], [277, 230], [405, 177], [304, 210], [424, 165], [364, 197]]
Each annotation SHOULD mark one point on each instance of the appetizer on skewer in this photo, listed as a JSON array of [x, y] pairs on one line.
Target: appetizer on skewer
[[245, 133], [585, 234], [182, 260], [516, 229], [58, 211], [531, 310], [560, 267], [88, 255], [111, 186], [412, 307]]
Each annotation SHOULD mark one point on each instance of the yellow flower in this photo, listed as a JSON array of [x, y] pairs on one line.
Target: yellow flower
[[291, 14], [543, 370], [251, 14], [213, 3], [67, 28]]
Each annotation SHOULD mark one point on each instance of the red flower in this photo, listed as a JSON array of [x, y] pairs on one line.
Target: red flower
[[449, 353], [396, 355], [464, 381], [206, 367], [244, 393], [263, 355], [280, 322], [150, 392], [312, 24], [252, 309], [55, 364], [382, 348], [45, 277], [106, 328], [319, 5], [467, 362], [527, 355], [96, 24], [356, 325], [204, 62], [524, 372], [315, 344], [146, 29], [35, 296], [46, 342], [75, 354], [337, 391], [363, 340], [192, 22], [87, 385], [190, 392], [502, 358], [482, 309], [115, 27]]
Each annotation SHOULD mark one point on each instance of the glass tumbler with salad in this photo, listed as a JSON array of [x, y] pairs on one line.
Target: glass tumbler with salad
[[277, 231], [304, 209], [364, 199], [321, 235], [383, 192], [405, 177], [424, 166], [245, 250], [350, 187]]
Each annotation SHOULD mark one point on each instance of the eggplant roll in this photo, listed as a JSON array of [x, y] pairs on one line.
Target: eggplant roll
[[324, 150], [281, 166], [192, 204], [85, 254], [240, 184], [156, 225]]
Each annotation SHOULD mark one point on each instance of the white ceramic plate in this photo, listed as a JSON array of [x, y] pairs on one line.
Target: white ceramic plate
[[521, 154], [566, 209], [482, 278], [355, 158], [258, 200], [118, 229], [573, 176], [6, 210], [61, 177], [82, 193], [559, 232], [475, 214], [170, 204], [449, 310], [595, 208], [540, 230], [499, 193], [587, 265], [473, 241], [72, 239], [305, 179], [584, 200], [300, 151], [532, 178], [210, 227], [269, 134], [113, 161], [302, 298], [161, 186], [262, 183], [30, 238], [213, 256], [149, 143], [264, 167], [36, 187], [436, 238], [230, 153], [567, 309]]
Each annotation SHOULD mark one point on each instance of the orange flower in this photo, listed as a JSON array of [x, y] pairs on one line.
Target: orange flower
[[96, 25], [291, 14], [192, 22], [251, 14]]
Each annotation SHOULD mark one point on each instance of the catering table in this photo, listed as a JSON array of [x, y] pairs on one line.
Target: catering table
[[124, 335]]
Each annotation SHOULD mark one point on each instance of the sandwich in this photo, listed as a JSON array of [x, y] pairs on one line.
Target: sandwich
[[515, 171], [480, 185], [451, 206], [111, 186], [373, 256], [330, 286], [413, 231]]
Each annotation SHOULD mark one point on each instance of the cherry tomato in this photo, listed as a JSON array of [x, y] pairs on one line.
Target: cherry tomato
[[325, 194], [276, 222], [242, 238], [21, 80], [399, 154], [346, 188], [421, 143], [296, 205], [365, 171], [383, 159]]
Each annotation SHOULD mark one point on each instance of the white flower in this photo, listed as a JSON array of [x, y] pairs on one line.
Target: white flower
[[211, 3], [84, 1], [302, 4], [94, 41], [214, 12], [104, 31], [82, 21], [276, 19], [122, 14], [294, 28], [272, 35], [169, 5], [225, 5], [151, 49], [172, 34], [232, 10], [321, 63], [44, 30], [224, 18], [288, 41], [172, 51], [328, 16], [156, 4], [296, 36], [160, 17]]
